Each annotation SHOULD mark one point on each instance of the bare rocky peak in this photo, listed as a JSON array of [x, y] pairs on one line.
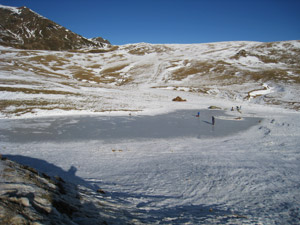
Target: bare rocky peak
[[100, 40], [25, 29]]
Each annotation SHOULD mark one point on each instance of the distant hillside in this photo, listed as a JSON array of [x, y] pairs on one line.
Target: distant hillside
[[22, 28], [143, 76]]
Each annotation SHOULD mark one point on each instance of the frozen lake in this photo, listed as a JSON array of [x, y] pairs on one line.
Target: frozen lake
[[183, 123], [172, 168]]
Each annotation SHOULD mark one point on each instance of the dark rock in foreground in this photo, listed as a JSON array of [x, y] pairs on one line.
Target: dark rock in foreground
[[27, 197]]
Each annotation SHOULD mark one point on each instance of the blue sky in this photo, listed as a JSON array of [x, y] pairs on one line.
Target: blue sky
[[173, 21]]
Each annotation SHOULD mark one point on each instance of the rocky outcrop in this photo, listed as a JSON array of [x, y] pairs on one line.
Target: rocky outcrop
[[100, 40], [25, 29], [28, 197], [178, 99]]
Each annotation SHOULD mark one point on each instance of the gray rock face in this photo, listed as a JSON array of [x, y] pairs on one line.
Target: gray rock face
[[27, 197]]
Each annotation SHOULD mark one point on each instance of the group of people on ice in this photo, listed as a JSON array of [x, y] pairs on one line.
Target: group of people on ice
[[238, 108], [212, 118]]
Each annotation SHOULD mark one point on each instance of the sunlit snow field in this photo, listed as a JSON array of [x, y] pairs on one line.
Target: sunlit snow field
[[173, 168]]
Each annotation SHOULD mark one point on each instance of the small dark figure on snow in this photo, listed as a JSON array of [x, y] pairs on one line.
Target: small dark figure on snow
[[213, 120]]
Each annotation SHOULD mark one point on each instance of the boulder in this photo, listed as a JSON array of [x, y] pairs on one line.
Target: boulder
[[178, 99]]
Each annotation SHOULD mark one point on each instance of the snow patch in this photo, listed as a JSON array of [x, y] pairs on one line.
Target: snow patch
[[267, 90], [13, 9]]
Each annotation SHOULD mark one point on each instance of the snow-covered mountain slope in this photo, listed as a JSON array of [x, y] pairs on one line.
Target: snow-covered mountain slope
[[23, 28], [139, 77]]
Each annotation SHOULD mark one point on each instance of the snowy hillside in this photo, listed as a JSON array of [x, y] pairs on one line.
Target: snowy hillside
[[137, 77]]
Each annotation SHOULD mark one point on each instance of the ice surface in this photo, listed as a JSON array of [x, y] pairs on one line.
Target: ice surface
[[183, 123]]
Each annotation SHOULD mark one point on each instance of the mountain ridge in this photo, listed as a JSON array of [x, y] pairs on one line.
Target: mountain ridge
[[25, 29]]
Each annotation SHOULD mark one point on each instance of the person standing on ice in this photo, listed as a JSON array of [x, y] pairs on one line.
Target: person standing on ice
[[213, 120], [198, 115]]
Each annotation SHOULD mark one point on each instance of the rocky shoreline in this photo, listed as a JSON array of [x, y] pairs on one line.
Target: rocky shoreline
[[30, 197]]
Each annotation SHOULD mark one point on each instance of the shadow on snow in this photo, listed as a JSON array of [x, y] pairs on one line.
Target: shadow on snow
[[140, 212]]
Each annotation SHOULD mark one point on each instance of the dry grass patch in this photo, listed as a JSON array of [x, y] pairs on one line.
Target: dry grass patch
[[278, 75], [228, 77], [147, 49], [81, 74], [118, 56], [46, 59], [87, 75], [19, 107], [33, 68], [112, 70], [286, 104], [140, 69], [199, 67], [173, 63], [111, 49], [36, 91], [109, 75], [95, 66], [14, 82], [113, 74], [69, 55], [289, 55], [194, 68], [27, 53], [18, 103]]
